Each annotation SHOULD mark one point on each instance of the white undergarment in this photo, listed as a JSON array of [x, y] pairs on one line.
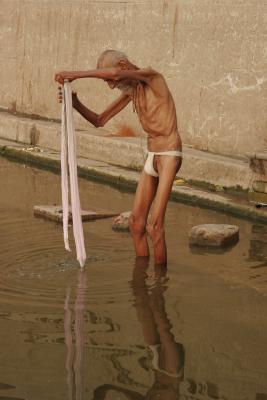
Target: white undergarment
[[149, 167], [68, 163]]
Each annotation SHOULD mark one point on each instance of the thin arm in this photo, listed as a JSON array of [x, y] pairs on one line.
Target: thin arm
[[106, 74], [99, 120]]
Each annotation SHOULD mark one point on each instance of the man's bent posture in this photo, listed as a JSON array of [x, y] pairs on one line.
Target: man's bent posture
[[155, 107]]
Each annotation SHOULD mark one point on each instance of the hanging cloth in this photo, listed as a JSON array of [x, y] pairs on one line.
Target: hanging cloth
[[68, 163]]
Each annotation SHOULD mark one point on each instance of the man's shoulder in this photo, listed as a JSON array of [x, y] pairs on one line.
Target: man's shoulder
[[156, 80], [151, 71]]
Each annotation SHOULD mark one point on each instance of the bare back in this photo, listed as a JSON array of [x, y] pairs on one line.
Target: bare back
[[156, 110]]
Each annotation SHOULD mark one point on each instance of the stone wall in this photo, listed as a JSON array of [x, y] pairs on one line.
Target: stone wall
[[213, 54]]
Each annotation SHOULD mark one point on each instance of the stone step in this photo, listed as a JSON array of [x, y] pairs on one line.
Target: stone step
[[125, 178], [198, 166], [260, 186], [258, 164]]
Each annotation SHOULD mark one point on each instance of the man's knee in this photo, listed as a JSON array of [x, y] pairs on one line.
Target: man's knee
[[137, 225]]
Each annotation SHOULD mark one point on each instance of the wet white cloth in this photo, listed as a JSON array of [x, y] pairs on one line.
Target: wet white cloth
[[69, 164]]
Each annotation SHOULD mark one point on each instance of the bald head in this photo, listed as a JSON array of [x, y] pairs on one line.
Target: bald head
[[111, 58]]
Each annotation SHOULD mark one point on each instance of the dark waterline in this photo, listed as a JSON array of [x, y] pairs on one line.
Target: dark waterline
[[67, 334]]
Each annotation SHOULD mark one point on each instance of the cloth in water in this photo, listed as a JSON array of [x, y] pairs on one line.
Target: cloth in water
[[69, 163]]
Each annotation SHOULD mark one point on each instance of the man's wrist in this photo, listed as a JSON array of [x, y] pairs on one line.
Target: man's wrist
[[75, 104]]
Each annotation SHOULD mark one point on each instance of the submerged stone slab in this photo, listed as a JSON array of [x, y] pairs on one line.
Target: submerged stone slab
[[121, 223], [214, 235], [54, 213]]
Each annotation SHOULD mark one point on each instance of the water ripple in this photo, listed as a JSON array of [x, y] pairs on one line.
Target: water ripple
[[36, 269]]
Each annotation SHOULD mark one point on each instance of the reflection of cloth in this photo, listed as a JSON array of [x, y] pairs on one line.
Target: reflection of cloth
[[74, 361], [68, 161], [149, 168]]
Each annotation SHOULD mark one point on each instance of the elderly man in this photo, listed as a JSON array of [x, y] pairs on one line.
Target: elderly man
[[155, 108]]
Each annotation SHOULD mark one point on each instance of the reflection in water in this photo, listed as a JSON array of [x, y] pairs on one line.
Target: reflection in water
[[261, 396], [167, 356], [228, 321], [258, 246], [74, 361]]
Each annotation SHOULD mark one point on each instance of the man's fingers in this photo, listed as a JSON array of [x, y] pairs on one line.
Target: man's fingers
[[59, 94], [59, 79]]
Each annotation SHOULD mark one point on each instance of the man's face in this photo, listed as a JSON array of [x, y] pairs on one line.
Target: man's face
[[121, 85]]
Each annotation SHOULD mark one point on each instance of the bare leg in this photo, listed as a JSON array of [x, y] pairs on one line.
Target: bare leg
[[144, 196], [168, 167]]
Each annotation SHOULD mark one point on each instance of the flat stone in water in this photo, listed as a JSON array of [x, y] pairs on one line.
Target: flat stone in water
[[214, 235], [54, 213], [121, 223]]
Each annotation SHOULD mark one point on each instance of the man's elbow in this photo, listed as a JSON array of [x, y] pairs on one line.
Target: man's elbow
[[99, 123]]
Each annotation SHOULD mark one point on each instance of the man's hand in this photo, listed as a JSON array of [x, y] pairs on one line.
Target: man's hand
[[75, 99], [60, 77], [59, 94]]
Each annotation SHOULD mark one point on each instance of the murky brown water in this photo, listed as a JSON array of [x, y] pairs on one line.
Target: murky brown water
[[71, 335]]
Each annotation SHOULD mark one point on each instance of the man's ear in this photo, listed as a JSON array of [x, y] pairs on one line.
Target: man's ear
[[123, 64]]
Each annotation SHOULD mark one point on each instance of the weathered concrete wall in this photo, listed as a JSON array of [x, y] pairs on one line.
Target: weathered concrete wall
[[213, 54]]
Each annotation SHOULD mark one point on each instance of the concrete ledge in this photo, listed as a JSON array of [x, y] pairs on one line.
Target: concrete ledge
[[258, 164], [258, 155], [199, 167], [127, 179]]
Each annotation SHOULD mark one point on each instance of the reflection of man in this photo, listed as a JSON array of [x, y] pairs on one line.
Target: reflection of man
[[167, 355], [153, 102]]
